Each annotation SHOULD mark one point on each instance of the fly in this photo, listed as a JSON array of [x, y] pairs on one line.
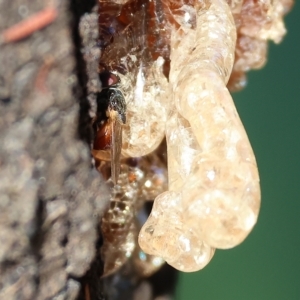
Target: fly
[[111, 116]]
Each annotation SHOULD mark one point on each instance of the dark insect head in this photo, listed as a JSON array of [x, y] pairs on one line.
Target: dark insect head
[[111, 99], [117, 103]]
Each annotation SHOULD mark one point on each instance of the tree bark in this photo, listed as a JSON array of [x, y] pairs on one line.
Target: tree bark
[[51, 199]]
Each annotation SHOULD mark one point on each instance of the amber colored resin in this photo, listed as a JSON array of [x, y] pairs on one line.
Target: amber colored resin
[[176, 61], [257, 21], [140, 180]]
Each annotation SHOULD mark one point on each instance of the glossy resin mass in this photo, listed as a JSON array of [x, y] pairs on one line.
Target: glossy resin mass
[[175, 61]]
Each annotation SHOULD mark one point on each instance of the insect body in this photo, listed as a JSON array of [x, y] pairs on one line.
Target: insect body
[[111, 115]]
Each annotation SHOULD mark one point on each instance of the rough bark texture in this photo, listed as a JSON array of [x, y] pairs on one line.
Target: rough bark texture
[[51, 198]]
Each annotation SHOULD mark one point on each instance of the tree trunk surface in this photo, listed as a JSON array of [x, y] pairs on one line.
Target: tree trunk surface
[[51, 199]]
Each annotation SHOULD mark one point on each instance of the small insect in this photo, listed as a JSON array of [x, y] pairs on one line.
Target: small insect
[[111, 115]]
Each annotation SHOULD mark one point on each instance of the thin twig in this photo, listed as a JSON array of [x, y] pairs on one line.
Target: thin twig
[[27, 27]]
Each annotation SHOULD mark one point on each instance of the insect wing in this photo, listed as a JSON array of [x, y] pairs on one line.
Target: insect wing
[[116, 147]]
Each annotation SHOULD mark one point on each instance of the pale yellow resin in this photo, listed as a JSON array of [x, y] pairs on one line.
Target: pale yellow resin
[[214, 196]]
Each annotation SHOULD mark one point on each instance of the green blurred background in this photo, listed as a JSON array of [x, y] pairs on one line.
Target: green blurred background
[[267, 265]]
